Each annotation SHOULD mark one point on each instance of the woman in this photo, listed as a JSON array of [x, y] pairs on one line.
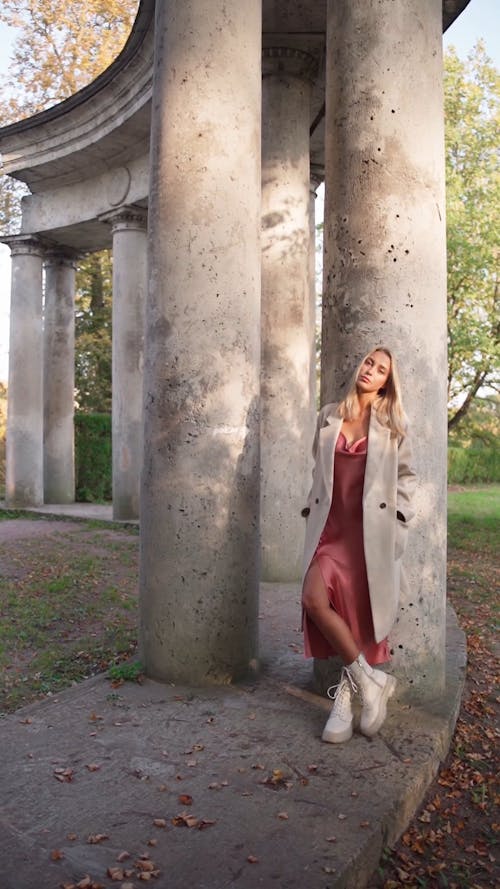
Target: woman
[[357, 514]]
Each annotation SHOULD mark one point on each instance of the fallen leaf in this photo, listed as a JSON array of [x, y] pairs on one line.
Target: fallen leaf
[[95, 838], [152, 842], [364, 824], [86, 883], [185, 820], [252, 859], [185, 799], [342, 817], [276, 779], [93, 767], [123, 856], [144, 865], [56, 855], [283, 816], [205, 822], [329, 870], [159, 822], [331, 839], [115, 873], [64, 775]]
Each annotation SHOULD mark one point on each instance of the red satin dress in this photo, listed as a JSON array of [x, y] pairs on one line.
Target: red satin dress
[[341, 558]]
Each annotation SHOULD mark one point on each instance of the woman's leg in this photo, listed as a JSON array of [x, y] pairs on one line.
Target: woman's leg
[[329, 623], [375, 686]]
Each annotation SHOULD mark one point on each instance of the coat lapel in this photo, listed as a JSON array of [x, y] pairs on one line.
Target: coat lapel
[[328, 440], [378, 446]]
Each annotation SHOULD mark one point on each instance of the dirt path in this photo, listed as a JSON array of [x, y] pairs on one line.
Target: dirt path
[[14, 530]]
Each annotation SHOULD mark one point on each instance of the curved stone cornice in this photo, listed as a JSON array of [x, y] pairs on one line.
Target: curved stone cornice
[[107, 120], [107, 124], [451, 10]]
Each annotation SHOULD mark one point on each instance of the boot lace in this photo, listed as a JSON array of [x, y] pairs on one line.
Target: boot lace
[[341, 694]]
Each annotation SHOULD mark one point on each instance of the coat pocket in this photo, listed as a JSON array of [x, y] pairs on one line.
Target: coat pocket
[[401, 539]]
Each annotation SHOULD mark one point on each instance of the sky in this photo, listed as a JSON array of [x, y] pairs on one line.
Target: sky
[[480, 20]]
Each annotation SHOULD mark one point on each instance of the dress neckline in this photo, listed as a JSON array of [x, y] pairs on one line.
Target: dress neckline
[[353, 444]]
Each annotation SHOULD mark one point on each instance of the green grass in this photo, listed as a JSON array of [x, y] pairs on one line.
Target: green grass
[[68, 609], [68, 603], [126, 672], [474, 518]]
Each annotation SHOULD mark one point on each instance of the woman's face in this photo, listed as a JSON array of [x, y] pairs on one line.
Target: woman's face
[[374, 373]]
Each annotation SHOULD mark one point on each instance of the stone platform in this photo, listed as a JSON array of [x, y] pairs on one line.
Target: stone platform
[[276, 806]]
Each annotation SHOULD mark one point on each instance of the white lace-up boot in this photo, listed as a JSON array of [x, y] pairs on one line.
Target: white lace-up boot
[[339, 725], [375, 688]]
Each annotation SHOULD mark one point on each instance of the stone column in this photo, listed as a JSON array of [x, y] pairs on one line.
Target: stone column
[[317, 176], [129, 297], [385, 266], [200, 485], [59, 378], [24, 458], [286, 312]]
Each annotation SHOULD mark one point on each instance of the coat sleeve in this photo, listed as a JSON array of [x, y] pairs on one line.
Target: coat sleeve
[[407, 480]]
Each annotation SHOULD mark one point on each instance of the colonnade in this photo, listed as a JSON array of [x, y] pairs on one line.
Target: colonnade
[[224, 341], [40, 465]]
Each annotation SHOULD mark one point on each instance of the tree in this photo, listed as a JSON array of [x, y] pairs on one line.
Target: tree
[[60, 48], [472, 178], [93, 335]]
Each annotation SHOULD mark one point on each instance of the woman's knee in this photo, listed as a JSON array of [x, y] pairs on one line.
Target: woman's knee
[[314, 594]]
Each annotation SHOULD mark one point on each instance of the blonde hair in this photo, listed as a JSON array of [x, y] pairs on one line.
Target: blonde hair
[[388, 404]]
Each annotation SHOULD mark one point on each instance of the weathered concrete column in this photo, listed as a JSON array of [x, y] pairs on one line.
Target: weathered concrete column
[[385, 266], [129, 298], [24, 457], [286, 312], [59, 378], [200, 484], [317, 176]]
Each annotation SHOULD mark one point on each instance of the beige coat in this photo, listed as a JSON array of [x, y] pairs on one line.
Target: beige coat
[[388, 490]]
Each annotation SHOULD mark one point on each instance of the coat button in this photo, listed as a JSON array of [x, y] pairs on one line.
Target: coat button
[[383, 505], [317, 500]]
